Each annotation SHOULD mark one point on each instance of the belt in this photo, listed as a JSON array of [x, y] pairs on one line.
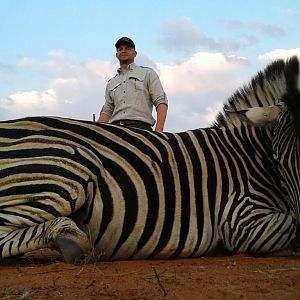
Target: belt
[[128, 122]]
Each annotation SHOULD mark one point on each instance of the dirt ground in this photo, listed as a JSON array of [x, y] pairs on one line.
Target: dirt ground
[[43, 275]]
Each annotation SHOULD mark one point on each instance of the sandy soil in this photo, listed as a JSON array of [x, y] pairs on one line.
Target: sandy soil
[[43, 275]]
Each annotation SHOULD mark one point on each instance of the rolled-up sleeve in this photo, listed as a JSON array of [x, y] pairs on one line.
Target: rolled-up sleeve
[[108, 107], [156, 90]]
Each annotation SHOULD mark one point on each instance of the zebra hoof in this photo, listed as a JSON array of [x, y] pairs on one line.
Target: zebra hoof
[[72, 252]]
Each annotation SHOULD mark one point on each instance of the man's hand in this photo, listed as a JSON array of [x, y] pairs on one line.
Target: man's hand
[[159, 128], [103, 118]]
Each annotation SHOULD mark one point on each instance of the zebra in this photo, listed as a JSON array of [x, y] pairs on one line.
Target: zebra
[[104, 192]]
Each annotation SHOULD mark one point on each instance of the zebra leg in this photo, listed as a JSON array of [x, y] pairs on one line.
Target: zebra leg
[[69, 240], [261, 233], [293, 249], [60, 234]]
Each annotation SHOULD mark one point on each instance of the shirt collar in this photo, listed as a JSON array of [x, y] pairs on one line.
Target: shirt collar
[[129, 68]]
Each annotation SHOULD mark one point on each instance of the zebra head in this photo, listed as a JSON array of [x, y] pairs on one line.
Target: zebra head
[[286, 137], [256, 102], [284, 118]]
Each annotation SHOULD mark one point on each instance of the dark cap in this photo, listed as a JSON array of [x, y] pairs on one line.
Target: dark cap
[[125, 40]]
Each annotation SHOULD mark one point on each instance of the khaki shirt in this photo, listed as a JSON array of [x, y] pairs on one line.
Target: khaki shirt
[[131, 96]]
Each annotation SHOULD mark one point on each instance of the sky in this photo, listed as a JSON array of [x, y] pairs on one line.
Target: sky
[[56, 56]]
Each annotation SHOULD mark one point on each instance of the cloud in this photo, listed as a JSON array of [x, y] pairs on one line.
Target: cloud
[[25, 61], [4, 67], [204, 71], [6, 72], [182, 36], [279, 53], [196, 88], [72, 89], [249, 34], [267, 29], [28, 103], [254, 26], [56, 52], [144, 60]]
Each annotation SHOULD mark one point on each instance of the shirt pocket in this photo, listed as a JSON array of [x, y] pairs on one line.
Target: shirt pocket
[[115, 90], [139, 83]]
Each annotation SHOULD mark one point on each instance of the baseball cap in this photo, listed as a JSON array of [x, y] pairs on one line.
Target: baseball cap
[[125, 40]]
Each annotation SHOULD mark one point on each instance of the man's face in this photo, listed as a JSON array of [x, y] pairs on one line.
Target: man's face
[[125, 54]]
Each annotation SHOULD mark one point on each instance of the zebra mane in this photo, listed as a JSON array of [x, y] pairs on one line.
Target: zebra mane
[[266, 88]]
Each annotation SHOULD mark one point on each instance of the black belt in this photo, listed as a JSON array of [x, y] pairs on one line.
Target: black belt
[[128, 122], [133, 124]]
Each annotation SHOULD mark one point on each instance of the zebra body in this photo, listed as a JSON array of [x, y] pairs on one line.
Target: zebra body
[[75, 185]]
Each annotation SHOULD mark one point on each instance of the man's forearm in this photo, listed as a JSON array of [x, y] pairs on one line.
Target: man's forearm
[[161, 110]]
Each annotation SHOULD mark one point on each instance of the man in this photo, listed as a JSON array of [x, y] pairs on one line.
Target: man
[[132, 93]]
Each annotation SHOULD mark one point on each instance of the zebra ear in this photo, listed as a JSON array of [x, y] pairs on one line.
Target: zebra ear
[[257, 116]]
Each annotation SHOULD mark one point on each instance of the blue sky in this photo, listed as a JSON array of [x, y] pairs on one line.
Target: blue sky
[[56, 56]]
